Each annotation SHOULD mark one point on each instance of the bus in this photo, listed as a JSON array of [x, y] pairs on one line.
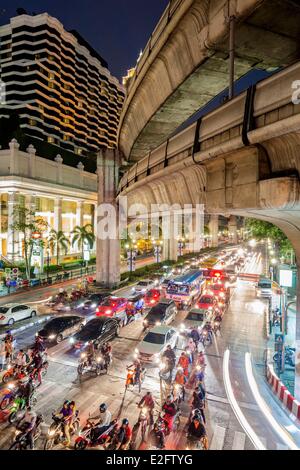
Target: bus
[[186, 288]]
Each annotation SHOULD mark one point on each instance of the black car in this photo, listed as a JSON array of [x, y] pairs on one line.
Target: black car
[[161, 314], [98, 329], [60, 328], [92, 302]]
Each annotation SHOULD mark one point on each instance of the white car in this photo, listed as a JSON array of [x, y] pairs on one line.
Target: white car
[[155, 342], [144, 286], [196, 318], [11, 313]]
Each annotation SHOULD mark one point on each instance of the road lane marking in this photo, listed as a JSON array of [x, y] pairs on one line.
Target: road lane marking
[[239, 441], [264, 408], [235, 406]]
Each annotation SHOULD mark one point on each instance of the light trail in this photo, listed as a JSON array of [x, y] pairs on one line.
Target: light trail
[[264, 407], [235, 406]]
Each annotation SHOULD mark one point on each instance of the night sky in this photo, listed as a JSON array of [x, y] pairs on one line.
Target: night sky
[[117, 29]]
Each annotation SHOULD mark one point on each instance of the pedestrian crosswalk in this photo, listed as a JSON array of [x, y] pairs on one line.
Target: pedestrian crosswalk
[[225, 439]]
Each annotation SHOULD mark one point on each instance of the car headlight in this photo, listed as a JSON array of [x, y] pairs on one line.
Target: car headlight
[[108, 312], [158, 323], [94, 305], [72, 341], [52, 336], [36, 334]]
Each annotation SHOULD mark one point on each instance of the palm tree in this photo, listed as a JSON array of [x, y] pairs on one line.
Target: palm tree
[[83, 236], [58, 239]]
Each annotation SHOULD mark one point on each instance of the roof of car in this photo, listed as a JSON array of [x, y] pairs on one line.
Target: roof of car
[[198, 310], [165, 301], [161, 329], [12, 305]]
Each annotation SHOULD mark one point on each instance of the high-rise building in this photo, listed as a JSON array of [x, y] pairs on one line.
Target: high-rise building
[[58, 84]]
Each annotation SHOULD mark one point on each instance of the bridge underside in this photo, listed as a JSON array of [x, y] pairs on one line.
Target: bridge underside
[[193, 65]]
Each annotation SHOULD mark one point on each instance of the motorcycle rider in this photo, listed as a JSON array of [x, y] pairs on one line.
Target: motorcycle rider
[[38, 346], [148, 402], [194, 334], [180, 380], [21, 359], [137, 371], [157, 435], [9, 350], [184, 363], [196, 431], [90, 352], [26, 390], [208, 327], [123, 435], [38, 366], [106, 353], [198, 401], [67, 413], [170, 410], [27, 424], [104, 420], [170, 357]]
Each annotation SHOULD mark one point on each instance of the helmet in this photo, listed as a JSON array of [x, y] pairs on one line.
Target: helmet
[[8, 332], [125, 422], [103, 407]]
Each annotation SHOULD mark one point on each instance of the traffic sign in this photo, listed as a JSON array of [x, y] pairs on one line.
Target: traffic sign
[[15, 272]]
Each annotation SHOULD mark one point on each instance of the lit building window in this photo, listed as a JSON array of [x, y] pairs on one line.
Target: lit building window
[[32, 122], [51, 76], [51, 140], [51, 85], [78, 151], [66, 137], [66, 120], [50, 57]]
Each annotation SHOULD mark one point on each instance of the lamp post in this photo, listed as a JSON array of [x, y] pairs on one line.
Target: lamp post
[[48, 264], [131, 255], [157, 249], [180, 245]]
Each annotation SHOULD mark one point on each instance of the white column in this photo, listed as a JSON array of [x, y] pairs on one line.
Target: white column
[[214, 229], [14, 160], [13, 236], [57, 214], [32, 160], [79, 214]]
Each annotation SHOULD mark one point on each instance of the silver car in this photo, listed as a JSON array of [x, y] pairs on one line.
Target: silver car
[[11, 313]]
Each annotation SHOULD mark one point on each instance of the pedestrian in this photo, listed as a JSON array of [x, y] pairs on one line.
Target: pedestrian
[[2, 355], [9, 350], [192, 348]]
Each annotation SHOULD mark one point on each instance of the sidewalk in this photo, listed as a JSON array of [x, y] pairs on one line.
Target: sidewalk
[[288, 376]]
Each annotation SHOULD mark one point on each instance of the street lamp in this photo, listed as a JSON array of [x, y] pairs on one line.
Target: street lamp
[[157, 249], [131, 255], [48, 263], [180, 245]]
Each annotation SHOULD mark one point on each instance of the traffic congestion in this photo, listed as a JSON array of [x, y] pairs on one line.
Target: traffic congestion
[[169, 323]]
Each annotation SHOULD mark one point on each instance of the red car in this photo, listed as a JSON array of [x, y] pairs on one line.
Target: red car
[[206, 302], [113, 307], [219, 290], [152, 297]]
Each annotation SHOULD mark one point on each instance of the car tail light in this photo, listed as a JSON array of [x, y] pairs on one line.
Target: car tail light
[[108, 312]]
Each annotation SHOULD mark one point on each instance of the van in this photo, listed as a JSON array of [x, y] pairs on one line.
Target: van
[[264, 288]]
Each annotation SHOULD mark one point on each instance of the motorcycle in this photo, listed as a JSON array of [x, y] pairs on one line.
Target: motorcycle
[[97, 365], [178, 391], [14, 373], [18, 408], [141, 425], [56, 434], [9, 396], [165, 369], [85, 440], [194, 443], [20, 441], [289, 356], [130, 379], [206, 337]]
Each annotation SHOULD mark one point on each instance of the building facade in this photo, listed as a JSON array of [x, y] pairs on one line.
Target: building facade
[[60, 87], [65, 197]]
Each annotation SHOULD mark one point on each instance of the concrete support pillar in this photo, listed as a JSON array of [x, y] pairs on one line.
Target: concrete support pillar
[[232, 229], [170, 236], [108, 242], [297, 355], [32, 160], [57, 214], [214, 230], [13, 236]]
